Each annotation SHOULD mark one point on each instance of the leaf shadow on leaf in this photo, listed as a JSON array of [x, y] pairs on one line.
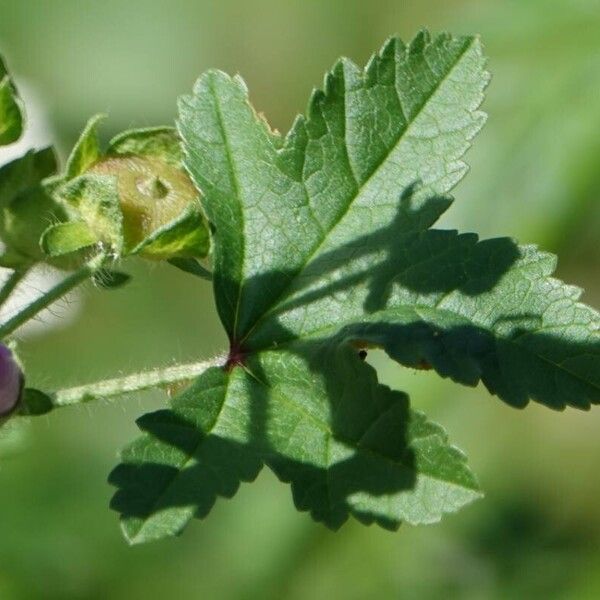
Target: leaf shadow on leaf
[[142, 486], [517, 367], [515, 356], [364, 418], [405, 253], [382, 470]]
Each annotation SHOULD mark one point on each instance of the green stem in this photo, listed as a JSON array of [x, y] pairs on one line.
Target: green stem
[[52, 295], [10, 284], [109, 388]]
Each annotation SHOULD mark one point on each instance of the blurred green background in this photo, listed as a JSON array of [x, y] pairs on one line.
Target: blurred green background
[[535, 175]]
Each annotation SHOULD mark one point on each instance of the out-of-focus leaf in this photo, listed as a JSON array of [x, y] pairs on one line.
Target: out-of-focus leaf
[[11, 116], [26, 207]]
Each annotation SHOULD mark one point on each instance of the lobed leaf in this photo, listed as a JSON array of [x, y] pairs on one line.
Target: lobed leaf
[[323, 244], [473, 310], [351, 446]]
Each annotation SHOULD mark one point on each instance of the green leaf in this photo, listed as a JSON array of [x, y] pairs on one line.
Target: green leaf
[[351, 446], [86, 150], [65, 238], [313, 411], [408, 117], [189, 456], [472, 310], [11, 116], [26, 207], [323, 245]]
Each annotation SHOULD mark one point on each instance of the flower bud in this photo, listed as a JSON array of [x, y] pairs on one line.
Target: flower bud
[[11, 381], [133, 198], [152, 194]]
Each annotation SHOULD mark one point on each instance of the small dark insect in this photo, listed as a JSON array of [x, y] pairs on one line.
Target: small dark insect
[[362, 354], [424, 365]]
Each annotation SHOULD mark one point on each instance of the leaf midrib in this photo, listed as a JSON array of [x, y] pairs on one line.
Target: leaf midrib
[[238, 194]]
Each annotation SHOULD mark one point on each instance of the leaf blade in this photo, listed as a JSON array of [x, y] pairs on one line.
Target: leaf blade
[[253, 164], [350, 446], [186, 459], [472, 310]]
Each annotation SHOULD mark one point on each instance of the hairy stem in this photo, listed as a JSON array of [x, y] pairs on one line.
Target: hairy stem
[[10, 284], [52, 295], [109, 388]]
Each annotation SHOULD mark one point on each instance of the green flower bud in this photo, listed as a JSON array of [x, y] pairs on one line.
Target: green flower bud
[[152, 195], [135, 198]]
